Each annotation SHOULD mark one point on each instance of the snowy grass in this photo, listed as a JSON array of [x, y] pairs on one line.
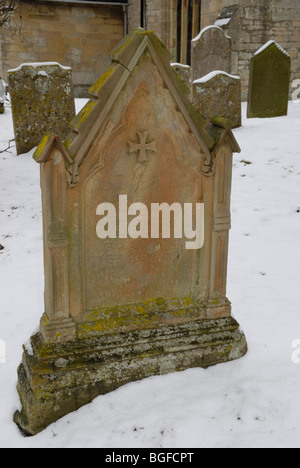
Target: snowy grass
[[253, 402]]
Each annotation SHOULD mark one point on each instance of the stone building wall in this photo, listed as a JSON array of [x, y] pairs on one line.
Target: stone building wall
[[210, 10], [249, 23], [82, 36], [252, 23], [157, 16], [78, 36]]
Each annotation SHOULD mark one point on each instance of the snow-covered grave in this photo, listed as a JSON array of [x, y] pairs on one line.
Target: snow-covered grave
[[252, 402]]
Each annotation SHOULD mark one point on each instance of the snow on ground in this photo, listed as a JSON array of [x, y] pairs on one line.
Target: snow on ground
[[253, 402]]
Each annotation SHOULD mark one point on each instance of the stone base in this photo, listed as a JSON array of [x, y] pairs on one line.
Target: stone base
[[54, 381]]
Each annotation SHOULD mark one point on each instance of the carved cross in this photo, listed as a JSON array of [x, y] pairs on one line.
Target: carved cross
[[142, 147]]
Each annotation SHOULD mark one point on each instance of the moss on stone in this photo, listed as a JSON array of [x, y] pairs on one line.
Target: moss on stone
[[140, 315], [127, 41], [96, 87], [269, 83], [42, 101], [56, 380]]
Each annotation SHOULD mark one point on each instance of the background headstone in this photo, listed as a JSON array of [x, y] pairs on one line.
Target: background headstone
[[211, 50], [219, 95], [42, 100], [269, 82], [184, 71]]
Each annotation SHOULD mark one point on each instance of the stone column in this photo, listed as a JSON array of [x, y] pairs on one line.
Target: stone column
[[218, 304], [56, 324]]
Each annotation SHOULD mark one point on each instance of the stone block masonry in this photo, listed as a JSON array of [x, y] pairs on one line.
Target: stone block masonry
[[252, 23], [79, 36]]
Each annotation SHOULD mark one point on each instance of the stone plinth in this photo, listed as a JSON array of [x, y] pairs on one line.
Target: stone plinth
[[63, 378]]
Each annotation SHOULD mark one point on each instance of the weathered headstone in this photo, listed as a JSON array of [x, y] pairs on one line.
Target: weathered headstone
[[211, 50], [42, 100], [130, 289], [2, 96], [219, 95], [269, 82], [184, 71]]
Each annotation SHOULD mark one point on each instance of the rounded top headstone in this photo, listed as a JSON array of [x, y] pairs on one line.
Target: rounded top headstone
[[211, 50]]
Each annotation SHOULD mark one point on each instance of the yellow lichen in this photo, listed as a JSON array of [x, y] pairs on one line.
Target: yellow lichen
[[138, 316], [86, 111], [68, 142], [95, 88], [123, 44], [40, 149]]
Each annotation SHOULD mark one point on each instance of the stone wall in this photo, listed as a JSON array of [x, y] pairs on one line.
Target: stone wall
[[77, 36], [82, 36], [252, 23], [210, 10], [158, 15]]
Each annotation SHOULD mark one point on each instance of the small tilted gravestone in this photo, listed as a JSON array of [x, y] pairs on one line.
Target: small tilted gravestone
[[269, 82], [42, 100], [211, 51], [136, 210], [219, 95]]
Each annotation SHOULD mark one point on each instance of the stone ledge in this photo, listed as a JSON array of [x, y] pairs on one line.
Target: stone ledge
[[54, 382]]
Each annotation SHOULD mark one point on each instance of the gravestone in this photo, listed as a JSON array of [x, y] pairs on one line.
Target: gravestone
[[184, 71], [42, 100], [269, 82], [219, 95], [2, 96], [211, 51], [133, 287]]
